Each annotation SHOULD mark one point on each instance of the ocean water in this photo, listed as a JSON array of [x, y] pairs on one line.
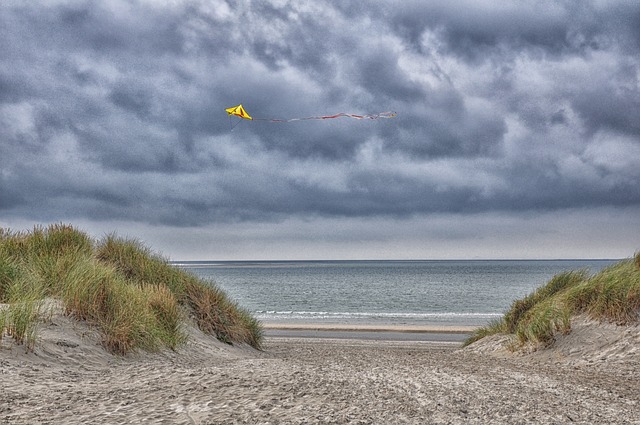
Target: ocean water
[[445, 293]]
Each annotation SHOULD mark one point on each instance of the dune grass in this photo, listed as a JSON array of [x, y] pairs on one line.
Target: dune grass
[[611, 295], [135, 297]]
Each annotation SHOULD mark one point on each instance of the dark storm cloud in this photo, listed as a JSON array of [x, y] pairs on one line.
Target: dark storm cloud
[[610, 106], [114, 110], [378, 74], [478, 30]]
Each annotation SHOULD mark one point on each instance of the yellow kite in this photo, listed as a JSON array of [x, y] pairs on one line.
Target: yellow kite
[[239, 112]]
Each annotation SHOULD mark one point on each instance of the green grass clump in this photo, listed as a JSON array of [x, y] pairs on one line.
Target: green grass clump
[[540, 324], [216, 314], [498, 326], [212, 310], [138, 264], [21, 314], [611, 295], [136, 298], [22, 292], [558, 283]]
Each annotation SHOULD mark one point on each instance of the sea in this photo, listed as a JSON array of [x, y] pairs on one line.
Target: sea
[[413, 293]]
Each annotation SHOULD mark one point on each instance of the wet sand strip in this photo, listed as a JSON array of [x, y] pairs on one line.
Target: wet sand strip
[[452, 334]]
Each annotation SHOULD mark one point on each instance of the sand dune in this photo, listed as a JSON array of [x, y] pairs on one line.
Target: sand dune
[[589, 377], [590, 343]]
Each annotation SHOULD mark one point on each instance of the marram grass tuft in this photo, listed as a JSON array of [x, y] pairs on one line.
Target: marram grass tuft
[[136, 298], [611, 295]]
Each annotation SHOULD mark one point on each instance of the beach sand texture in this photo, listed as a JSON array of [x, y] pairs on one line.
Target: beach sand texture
[[70, 379]]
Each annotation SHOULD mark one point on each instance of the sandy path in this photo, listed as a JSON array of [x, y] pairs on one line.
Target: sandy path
[[313, 381]]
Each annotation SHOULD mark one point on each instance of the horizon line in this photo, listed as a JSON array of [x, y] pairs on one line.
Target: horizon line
[[395, 259]]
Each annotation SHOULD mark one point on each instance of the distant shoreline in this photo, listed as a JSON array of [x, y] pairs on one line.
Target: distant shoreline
[[335, 327], [446, 334]]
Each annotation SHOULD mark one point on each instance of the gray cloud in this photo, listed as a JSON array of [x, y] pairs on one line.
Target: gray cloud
[[115, 110]]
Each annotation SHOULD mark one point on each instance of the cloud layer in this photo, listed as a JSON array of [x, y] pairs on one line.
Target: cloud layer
[[114, 110]]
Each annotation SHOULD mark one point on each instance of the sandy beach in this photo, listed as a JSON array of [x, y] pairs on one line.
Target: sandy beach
[[307, 380], [369, 328]]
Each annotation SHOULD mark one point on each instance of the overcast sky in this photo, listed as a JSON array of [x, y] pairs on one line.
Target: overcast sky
[[517, 135]]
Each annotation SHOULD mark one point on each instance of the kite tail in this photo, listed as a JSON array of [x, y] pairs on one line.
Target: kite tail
[[388, 114]]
